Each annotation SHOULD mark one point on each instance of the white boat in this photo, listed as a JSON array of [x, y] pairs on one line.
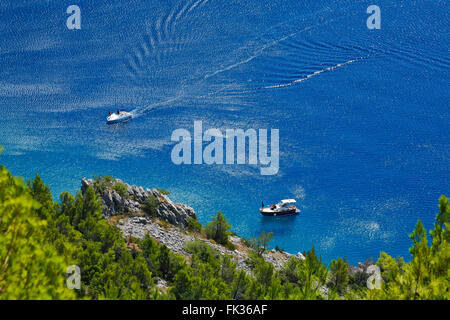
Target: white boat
[[283, 208], [119, 116]]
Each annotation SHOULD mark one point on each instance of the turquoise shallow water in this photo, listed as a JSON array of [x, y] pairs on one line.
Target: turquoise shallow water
[[364, 139]]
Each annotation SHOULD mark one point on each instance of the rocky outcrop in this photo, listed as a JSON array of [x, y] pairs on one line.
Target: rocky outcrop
[[132, 203], [362, 268], [363, 271]]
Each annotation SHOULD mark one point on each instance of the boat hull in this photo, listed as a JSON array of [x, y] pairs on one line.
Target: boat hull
[[117, 119], [271, 213]]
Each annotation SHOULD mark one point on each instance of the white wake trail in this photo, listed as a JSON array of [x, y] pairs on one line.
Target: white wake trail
[[309, 76], [136, 113], [273, 43], [256, 55]]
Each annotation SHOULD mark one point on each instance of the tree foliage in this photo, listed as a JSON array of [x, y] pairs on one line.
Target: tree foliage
[[339, 274], [218, 228], [151, 205], [261, 243], [30, 266], [121, 189]]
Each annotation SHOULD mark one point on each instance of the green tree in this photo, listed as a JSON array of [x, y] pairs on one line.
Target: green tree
[[239, 285], [339, 275], [204, 253], [261, 243], [41, 193], [218, 229], [264, 273], [151, 253], [183, 285], [309, 275], [312, 276], [30, 266], [390, 268], [103, 183], [227, 269]]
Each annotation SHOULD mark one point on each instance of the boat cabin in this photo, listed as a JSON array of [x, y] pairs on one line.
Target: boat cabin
[[285, 204]]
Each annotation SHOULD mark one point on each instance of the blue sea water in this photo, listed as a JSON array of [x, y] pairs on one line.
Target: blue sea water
[[363, 114]]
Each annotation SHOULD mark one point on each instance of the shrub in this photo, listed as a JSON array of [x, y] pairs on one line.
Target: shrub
[[150, 205], [163, 191], [103, 183], [121, 189], [203, 251], [194, 225], [358, 279], [245, 242], [309, 275], [230, 246], [164, 224]]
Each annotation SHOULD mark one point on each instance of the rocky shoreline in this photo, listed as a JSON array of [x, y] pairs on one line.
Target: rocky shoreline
[[169, 223]]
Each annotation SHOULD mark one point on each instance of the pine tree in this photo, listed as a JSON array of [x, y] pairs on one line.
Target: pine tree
[[339, 274], [30, 266], [218, 229]]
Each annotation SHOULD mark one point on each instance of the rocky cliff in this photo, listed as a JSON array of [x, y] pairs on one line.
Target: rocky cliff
[[132, 202]]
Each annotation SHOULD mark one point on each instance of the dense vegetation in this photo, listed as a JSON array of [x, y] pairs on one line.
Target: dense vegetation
[[40, 238]]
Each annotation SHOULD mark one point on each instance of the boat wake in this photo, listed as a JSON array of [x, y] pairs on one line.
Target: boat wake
[[260, 50], [163, 44], [276, 58], [138, 112], [316, 73]]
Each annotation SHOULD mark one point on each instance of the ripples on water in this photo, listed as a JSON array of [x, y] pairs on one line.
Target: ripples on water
[[363, 114]]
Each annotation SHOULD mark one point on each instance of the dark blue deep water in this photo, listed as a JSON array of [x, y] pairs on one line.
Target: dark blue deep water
[[364, 139]]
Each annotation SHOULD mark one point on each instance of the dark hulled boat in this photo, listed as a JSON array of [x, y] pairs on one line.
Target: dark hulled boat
[[283, 208]]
